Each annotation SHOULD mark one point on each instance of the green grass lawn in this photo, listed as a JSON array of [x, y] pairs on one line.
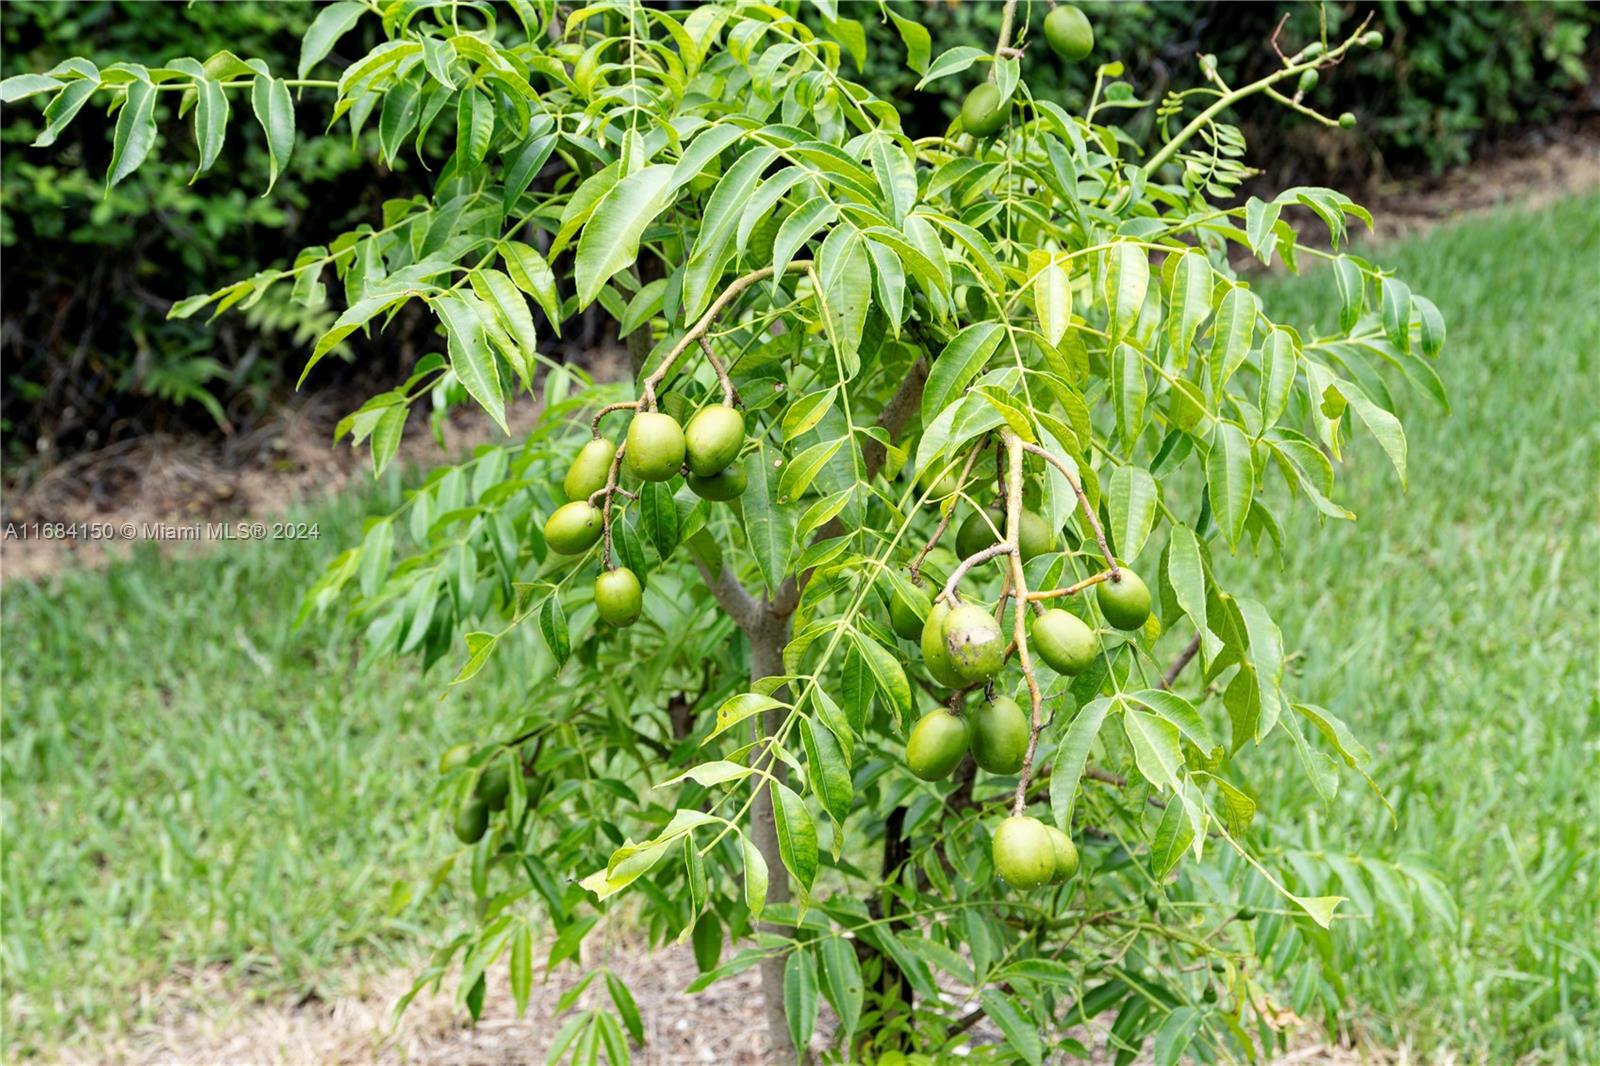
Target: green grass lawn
[[191, 784]]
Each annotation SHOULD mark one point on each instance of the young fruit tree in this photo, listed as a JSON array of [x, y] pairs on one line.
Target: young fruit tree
[[873, 630]]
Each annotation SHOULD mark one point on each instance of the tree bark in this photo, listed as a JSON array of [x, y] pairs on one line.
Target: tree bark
[[767, 639]]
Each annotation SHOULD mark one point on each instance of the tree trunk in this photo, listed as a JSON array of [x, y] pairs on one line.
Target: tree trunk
[[767, 639]]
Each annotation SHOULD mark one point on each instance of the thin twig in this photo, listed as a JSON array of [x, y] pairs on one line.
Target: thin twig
[[626, 405], [608, 492], [1071, 590], [992, 551], [1019, 584], [944, 520], [1083, 501], [729, 397], [1184, 658]]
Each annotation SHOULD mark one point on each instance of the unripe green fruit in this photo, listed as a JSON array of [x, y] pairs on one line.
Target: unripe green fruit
[[1347, 121], [976, 646], [1308, 80], [1246, 914], [589, 470], [1000, 735], [1034, 536], [944, 485], [726, 484], [934, 654], [472, 821], [1312, 50], [908, 609], [655, 446], [984, 113], [573, 528], [1066, 855], [975, 533], [494, 784], [618, 597], [713, 438], [1209, 995], [454, 756], [936, 745], [1064, 641], [1067, 31], [1123, 599], [1372, 39], [1022, 852]]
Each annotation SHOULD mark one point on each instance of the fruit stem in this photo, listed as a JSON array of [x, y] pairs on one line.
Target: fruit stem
[[610, 492], [1019, 615], [729, 397], [648, 399], [991, 552], [1083, 501], [625, 405], [1003, 45], [1070, 590]]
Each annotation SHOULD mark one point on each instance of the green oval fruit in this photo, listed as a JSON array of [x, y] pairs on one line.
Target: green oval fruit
[[947, 483], [472, 821], [1347, 121], [1066, 855], [934, 653], [655, 446], [1000, 736], [573, 528], [1246, 914], [1064, 641], [976, 646], [618, 597], [936, 745], [1308, 80], [589, 470], [984, 113], [1124, 600], [975, 533], [713, 438], [454, 756], [494, 784], [1372, 39], [908, 609], [1034, 535], [1067, 31], [1022, 852], [726, 484]]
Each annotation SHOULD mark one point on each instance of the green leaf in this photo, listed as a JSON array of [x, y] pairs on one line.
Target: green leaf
[[1280, 363], [1128, 390], [755, 877], [736, 709], [386, 435], [521, 966], [553, 625], [136, 132], [1133, 496], [1052, 302], [610, 240], [797, 833], [1351, 283], [1071, 757], [799, 228], [1188, 302], [1020, 1032], [768, 527], [274, 109], [1186, 574], [21, 86], [1383, 426], [1127, 280], [470, 357], [845, 273], [799, 472], [843, 985], [1174, 834], [1181, 713], [888, 673], [533, 276], [1175, 1034], [475, 127], [827, 771], [957, 365], [952, 61], [1155, 749], [1232, 333], [1230, 472], [804, 414], [918, 42], [60, 112], [501, 294], [1395, 310], [210, 123], [800, 996], [1432, 326], [658, 517], [331, 23]]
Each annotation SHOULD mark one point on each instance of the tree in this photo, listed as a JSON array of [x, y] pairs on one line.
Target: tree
[[1033, 333]]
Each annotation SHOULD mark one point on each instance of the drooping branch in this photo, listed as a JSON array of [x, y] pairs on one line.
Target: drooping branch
[[1019, 585]]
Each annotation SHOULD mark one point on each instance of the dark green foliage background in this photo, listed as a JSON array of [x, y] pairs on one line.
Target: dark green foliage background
[[90, 358]]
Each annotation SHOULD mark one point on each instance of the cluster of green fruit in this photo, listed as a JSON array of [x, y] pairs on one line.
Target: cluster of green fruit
[[488, 795], [1069, 35], [656, 449]]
